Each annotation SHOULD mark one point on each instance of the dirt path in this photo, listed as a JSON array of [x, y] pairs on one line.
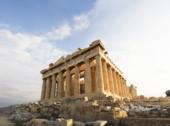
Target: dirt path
[[4, 122]]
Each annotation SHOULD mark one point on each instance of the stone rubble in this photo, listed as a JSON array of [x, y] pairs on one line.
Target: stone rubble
[[149, 109], [86, 112], [81, 111]]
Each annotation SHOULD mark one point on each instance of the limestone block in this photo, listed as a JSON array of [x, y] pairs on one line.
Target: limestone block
[[21, 117], [86, 99], [97, 123], [164, 113], [64, 122], [76, 123], [50, 123], [118, 113], [39, 122], [105, 108]]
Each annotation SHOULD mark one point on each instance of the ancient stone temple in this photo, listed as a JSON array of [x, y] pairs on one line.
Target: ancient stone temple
[[86, 72]]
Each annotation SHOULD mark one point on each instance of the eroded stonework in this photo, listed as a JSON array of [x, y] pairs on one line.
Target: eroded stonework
[[87, 72]]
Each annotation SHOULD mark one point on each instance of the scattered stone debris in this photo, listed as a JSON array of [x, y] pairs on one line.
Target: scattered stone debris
[[103, 111], [78, 112], [97, 123]]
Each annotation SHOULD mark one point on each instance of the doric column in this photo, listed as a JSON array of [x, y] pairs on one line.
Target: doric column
[[110, 76], [43, 89], [126, 90], [60, 83], [118, 84], [105, 76], [88, 81], [47, 93], [99, 75], [124, 87], [68, 82], [53, 87], [115, 82], [111, 80], [77, 85], [121, 86]]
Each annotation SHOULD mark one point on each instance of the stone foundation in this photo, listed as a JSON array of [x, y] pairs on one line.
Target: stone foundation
[[145, 122]]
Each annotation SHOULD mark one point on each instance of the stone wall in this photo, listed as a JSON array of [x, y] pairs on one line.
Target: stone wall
[[145, 122]]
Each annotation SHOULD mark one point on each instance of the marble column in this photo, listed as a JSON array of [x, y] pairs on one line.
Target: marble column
[[112, 81], [43, 89], [105, 76], [121, 85], [115, 82], [88, 80], [53, 87], [110, 75], [56, 87], [68, 82], [47, 93], [126, 90], [124, 87], [77, 85], [93, 78], [99, 75], [60, 83], [118, 83]]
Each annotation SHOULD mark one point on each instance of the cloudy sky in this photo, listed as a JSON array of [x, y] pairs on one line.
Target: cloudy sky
[[34, 33]]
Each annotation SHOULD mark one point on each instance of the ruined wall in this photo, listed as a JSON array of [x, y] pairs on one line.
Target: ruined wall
[[145, 122], [133, 91]]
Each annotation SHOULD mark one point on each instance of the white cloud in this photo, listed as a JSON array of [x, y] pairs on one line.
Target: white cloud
[[60, 32], [81, 22], [137, 37], [22, 56], [136, 34]]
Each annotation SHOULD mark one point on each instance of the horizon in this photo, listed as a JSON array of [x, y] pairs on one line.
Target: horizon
[[33, 34]]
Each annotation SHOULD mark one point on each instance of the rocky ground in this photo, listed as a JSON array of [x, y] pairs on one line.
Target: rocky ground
[[81, 112], [4, 114], [5, 122]]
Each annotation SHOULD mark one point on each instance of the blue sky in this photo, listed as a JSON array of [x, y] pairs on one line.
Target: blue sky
[[34, 33], [37, 16]]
